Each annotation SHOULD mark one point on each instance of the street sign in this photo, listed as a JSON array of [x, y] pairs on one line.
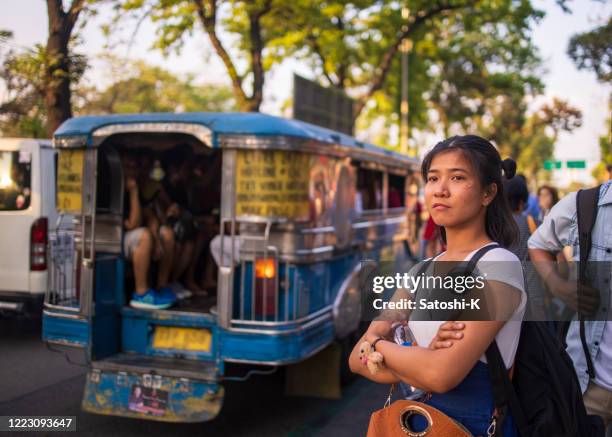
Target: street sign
[[576, 164], [552, 165], [325, 107]]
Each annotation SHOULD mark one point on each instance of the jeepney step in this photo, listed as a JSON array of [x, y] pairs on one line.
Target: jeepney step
[[164, 366]]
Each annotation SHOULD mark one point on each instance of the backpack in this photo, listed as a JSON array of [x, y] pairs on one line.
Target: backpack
[[544, 395]]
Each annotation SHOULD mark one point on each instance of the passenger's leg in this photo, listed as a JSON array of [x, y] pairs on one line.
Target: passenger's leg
[[141, 259], [182, 259], [166, 236], [199, 245]]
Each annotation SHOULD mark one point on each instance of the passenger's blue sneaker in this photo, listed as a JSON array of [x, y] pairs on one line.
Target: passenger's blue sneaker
[[168, 294], [151, 300]]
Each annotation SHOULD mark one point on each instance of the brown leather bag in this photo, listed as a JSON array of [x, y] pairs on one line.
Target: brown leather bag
[[394, 420]]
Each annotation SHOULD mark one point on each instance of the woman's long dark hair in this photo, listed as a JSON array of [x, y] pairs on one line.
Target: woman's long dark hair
[[486, 161]]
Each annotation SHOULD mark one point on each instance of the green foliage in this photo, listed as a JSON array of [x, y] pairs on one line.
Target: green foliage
[[23, 114], [593, 51], [247, 22], [530, 140], [600, 172], [145, 88]]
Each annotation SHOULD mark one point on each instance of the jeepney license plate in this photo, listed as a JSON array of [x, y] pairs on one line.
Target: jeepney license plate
[[191, 339]]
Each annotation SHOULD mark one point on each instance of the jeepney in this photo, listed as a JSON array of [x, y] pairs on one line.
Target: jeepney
[[300, 207]]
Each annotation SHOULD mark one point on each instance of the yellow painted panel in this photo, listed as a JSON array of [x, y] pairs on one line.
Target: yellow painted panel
[[70, 180], [272, 183]]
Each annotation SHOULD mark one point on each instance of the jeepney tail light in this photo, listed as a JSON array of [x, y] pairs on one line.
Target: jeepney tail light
[[38, 245], [265, 287], [265, 268]]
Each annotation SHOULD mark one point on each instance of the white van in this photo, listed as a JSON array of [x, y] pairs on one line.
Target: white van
[[27, 212]]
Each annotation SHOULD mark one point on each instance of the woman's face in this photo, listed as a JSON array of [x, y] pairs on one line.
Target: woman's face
[[453, 194], [545, 199]]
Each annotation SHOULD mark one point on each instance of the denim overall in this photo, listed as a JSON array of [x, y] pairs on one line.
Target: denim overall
[[470, 403]]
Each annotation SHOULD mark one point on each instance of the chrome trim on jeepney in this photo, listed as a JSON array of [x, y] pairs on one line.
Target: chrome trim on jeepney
[[69, 141], [285, 323], [279, 362], [384, 221], [314, 322], [202, 133], [62, 315]]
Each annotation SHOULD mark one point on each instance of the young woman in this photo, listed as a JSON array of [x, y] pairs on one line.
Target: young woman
[[464, 195]]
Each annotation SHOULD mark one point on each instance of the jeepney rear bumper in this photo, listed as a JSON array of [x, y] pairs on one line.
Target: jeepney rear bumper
[[171, 392]]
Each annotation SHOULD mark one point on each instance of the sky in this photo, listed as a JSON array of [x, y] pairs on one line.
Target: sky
[[28, 21]]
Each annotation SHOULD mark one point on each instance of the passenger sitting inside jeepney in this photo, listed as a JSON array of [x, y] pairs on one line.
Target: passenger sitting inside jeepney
[[139, 243], [174, 200], [150, 175]]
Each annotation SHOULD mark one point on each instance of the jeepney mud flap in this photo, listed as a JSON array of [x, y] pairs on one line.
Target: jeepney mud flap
[[318, 376], [151, 396]]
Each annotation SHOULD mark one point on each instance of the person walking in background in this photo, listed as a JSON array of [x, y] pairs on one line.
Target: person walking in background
[[591, 352], [533, 207], [518, 194], [548, 197]]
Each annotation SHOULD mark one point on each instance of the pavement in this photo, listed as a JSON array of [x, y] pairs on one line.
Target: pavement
[[35, 380]]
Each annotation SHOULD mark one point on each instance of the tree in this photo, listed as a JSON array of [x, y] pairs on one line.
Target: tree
[[530, 140], [247, 21], [58, 60], [354, 46], [593, 51], [23, 112], [145, 88]]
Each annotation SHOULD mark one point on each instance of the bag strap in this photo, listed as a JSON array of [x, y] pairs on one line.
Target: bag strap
[[504, 395], [478, 255], [471, 263], [389, 396], [586, 212]]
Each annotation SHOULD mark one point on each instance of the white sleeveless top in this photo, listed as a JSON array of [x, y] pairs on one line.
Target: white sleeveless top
[[506, 268]]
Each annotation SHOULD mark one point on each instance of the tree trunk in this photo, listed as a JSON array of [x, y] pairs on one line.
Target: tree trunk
[[57, 92], [57, 71]]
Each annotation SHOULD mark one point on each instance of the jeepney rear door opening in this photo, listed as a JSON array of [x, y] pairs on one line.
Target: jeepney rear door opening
[[169, 169]]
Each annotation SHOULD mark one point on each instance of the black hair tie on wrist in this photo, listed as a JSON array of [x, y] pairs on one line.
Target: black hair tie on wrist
[[376, 341]]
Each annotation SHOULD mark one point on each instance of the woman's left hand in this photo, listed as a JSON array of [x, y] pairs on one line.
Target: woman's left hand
[[448, 332]]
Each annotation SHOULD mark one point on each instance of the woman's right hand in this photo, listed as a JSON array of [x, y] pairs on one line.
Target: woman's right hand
[[448, 332]]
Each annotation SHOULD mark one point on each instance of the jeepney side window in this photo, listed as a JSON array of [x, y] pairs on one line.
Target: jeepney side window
[[369, 189], [396, 195]]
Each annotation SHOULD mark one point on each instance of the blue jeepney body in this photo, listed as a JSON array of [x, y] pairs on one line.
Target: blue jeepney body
[[316, 257]]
